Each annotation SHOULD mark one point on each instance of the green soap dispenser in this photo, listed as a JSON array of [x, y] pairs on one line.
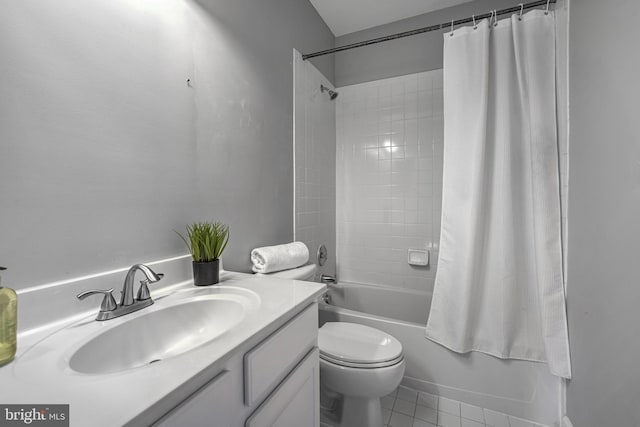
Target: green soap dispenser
[[8, 323]]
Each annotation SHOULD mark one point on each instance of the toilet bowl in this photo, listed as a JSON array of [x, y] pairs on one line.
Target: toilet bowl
[[361, 364], [358, 365]]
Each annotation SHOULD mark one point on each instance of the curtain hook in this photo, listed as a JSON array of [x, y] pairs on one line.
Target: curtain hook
[[546, 12], [475, 27], [495, 14], [491, 20], [451, 33], [521, 10]]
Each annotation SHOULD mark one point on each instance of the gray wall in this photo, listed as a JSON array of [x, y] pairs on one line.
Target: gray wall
[[403, 56], [105, 150], [604, 214]]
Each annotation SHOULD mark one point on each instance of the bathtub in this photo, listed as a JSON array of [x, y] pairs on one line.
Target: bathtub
[[520, 388], [382, 301]]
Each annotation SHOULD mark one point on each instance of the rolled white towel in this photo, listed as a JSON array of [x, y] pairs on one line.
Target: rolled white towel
[[280, 257]]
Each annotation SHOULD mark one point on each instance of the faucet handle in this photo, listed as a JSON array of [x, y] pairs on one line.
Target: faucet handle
[[143, 291], [108, 302]]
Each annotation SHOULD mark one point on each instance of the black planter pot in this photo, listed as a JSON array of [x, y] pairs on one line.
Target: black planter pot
[[206, 273]]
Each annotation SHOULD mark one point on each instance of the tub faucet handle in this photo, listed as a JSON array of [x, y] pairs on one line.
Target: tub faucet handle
[[327, 279]]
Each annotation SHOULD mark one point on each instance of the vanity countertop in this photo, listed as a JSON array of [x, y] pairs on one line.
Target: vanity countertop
[[40, 373]]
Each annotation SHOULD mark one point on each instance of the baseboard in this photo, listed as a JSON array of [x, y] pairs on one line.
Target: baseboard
[[497, 403], [511, 407]]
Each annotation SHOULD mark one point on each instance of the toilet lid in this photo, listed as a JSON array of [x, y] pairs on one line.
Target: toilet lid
[[357, 344]]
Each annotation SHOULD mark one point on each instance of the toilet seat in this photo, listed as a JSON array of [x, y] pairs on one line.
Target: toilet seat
[[362, 365], [358, 346]]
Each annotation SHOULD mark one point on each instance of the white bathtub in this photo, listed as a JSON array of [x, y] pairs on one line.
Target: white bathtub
[[520, 388], [394, 303]]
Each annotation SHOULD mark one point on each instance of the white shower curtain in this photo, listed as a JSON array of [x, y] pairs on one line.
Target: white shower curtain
[[499, 285]]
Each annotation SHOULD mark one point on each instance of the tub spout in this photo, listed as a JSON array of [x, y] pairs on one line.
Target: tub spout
[[328, 280]]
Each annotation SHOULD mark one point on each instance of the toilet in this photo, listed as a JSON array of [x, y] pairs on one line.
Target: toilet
[[358, 365], [361, 364]]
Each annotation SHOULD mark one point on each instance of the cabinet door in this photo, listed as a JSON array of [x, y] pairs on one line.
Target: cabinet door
[[209, 406], [269, 362], [296, 402]]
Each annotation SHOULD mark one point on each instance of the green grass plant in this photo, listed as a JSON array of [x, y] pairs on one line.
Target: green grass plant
[[206, 240]]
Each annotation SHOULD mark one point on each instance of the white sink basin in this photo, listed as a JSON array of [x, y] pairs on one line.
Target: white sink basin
[[184, 322], [157, 335]]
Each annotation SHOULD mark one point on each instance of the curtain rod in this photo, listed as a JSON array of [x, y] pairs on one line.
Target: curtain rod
[[446, 25]]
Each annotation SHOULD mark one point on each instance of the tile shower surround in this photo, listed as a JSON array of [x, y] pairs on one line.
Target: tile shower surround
[[389, 160], [389, 178]]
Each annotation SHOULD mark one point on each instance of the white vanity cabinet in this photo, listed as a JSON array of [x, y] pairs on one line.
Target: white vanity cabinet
[[296, 402], [273, 380], [209, 406]]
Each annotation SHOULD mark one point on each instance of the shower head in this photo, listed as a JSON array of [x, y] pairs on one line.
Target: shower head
[[332, 93]]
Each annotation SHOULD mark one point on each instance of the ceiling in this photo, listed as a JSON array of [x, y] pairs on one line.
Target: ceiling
[[346, 16]]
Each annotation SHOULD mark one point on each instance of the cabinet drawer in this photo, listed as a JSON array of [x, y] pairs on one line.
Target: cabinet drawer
[[296, 402], [271, 360], [208, 406]]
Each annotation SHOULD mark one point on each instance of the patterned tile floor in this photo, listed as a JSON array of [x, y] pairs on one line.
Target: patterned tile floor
[[410, 408]]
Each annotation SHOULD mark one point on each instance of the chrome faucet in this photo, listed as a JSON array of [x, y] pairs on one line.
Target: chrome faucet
[[109, 309], [127, 290], [328, 280]]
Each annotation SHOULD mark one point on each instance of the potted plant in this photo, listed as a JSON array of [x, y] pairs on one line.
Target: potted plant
[[206, 242]]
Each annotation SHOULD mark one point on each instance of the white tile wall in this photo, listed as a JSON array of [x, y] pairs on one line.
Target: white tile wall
[[315, 153], [389, 159], [389, 178]]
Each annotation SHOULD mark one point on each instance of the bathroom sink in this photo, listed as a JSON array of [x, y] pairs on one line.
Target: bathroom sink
[[165, 332]]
